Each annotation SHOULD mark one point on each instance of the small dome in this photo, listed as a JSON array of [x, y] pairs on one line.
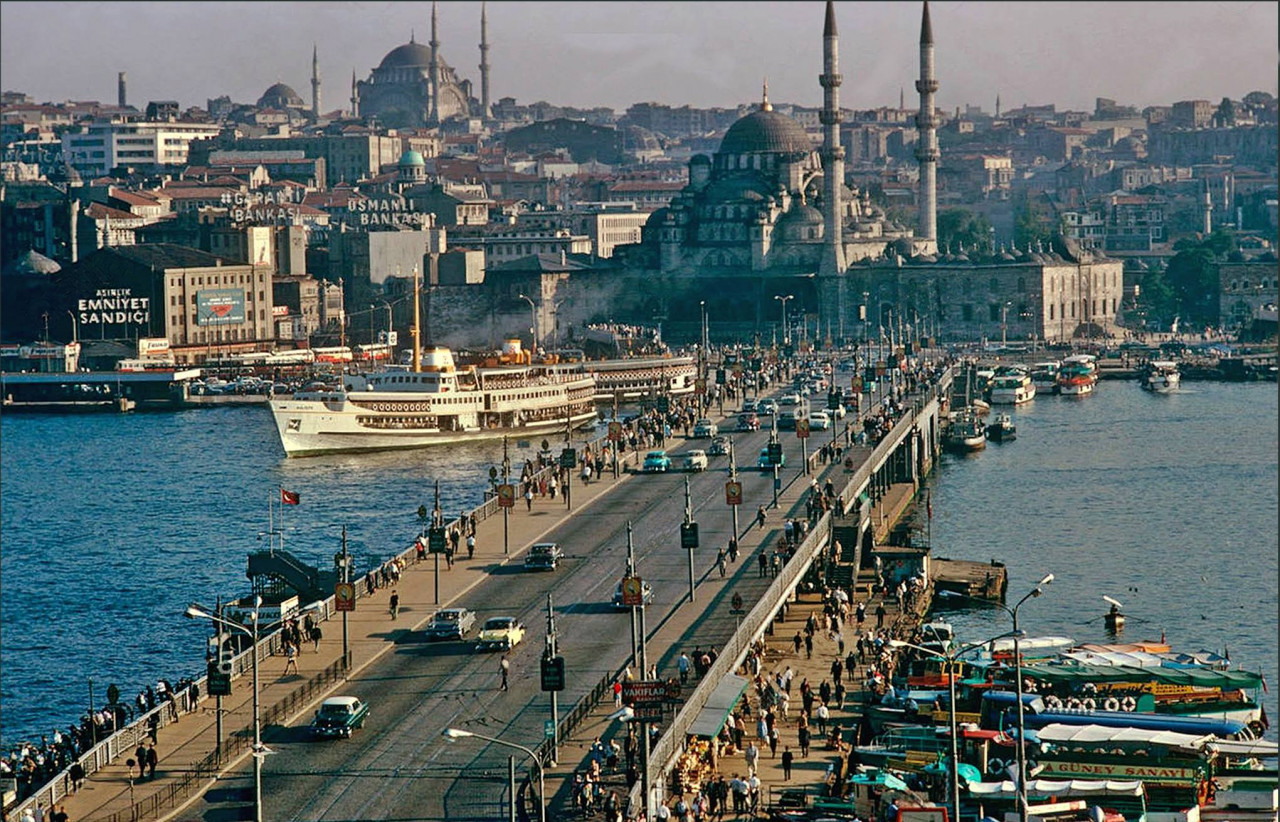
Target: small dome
[[765, 131], [32, 263], [410, 55], [802, 222], [280, 96], [412, 158]]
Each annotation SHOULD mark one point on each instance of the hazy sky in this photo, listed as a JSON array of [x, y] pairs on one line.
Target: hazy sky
[[618, 53]]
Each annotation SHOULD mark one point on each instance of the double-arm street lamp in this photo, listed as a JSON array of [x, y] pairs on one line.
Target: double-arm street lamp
[[453, 734], [951, 655], [259, 751], [1017, 663], [786, 337]]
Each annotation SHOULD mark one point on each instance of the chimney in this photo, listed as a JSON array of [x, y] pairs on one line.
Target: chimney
[[121, 97]]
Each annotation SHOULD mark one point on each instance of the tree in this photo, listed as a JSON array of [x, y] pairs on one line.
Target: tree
[[1156, 299], [1226, 113], [1031, 226], [958, 226]]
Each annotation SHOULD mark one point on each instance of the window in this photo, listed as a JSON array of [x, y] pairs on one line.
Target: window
[[994, 311], [966, 312], [995, 284], [1051, 311], [1022, 285]]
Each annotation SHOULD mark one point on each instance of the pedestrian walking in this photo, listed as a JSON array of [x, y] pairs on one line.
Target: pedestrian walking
[[808, 646], [141, 756], [797, 642], [528, 499], [760, 517], [880, 613], [316, 636], [290, 658], [803, 737], [471, 546], [395, 604], [764, 563], [788, 759], [720, 562], [504, 668], [152, 761]]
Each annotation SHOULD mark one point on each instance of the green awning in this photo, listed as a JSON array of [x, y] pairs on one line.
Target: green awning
[[716, 710]]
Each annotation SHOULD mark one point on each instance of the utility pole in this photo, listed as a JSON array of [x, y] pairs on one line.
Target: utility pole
[[773, 440], [506, 512], [346, 577], [689, 535], [631, 572], [436, 524], [555, 706], [617, 444], [568, 477], [733, 477], [218, 704]]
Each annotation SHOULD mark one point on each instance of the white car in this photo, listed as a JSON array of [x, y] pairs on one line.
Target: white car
[[695, 461], [838, 412], [820, 421]]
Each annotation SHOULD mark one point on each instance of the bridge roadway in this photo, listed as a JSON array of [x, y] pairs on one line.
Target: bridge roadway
[[398, 767]]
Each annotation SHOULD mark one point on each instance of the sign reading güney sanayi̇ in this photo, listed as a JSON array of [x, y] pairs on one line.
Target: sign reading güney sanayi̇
[[220, 306], [114, 306]]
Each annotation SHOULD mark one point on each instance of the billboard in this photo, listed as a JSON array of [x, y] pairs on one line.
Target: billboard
[[220, 306]]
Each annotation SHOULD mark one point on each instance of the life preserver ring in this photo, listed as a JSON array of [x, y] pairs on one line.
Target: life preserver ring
[[1089, 704], [1090, 688], [1052, 701], [1128, 703], [1028, 686], [1073, 703], [996, 766], [1112, 704]]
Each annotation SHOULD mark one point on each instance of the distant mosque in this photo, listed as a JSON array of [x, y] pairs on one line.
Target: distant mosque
[[414, 87]]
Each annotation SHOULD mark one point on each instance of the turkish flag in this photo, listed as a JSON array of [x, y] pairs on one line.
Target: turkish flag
[[289, 497]]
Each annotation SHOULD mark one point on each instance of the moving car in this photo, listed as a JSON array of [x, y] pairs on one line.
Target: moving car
[[767, 408], [339, 716], [656, 462], [748, 405], [705, 428], [764, 463], [451, 623], [695, 461], [646, 592], [543, 556], [820, 421], [500, 633], [719, 447], [748, 422]]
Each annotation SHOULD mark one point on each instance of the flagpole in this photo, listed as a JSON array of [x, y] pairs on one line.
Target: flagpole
[[271, 526]]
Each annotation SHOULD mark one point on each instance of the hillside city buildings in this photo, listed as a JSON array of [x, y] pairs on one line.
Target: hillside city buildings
[[285, 222]]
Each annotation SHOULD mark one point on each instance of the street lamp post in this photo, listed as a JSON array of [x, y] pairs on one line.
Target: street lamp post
[[196, 612], [533, 316], [1004, 325], [951, 657], [452, 734], [1017, 664], [75, 327], [786, 337]]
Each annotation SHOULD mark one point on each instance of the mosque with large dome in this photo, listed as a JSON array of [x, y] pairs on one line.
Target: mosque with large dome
[[413, 86]]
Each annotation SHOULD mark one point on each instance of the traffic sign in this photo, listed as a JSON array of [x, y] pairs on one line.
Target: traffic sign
[[615, 431], [733, 493], [435, 540], [802, 429], [834, 398], [568, 458], [632, 591], [664, 404], [218, 684], [344, 597], [775, 452], [549, 728], [553, 673], [688, 535], [647, 712], [700, 386], [855, 385], [777, 483], [645, 692], [506, 495], [720, 376]]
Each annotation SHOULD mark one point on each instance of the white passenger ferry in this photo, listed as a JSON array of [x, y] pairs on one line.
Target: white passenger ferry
[[436, 405]]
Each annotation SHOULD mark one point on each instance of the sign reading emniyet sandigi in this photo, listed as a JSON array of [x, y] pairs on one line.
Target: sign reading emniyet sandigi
[[114, 306], [220, 306]]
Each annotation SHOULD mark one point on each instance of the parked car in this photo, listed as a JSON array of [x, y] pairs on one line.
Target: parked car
[[500, 633], [765, 464], [543, 556], [695, 461], [719, 447], [451, 623], [748, 422], [705, 428], [646, 592], [339, 716], [656, 462], [820, 421]]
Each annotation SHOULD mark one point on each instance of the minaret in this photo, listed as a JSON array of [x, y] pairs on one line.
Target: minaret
[[315, 80], [927, 125], [997, 105], [832, 151], [435, 66], [484, 61], [1206, 210], [121, 97], [355, 96], [902, 98]]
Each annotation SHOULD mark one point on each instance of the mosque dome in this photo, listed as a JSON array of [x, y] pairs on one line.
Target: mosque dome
[[410, 55], [280, 96], [800, 222], [412, 158], [765, 130]]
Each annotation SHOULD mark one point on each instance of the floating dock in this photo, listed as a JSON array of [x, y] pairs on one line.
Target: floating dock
[[981, 580]]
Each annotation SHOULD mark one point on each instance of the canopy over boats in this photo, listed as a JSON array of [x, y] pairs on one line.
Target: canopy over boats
[[1060, 787], [1196, 677]]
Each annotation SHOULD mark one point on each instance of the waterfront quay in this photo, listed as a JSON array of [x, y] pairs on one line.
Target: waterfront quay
[[383, 651]]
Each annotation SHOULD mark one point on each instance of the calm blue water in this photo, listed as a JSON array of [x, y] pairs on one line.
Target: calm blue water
[[1167, 503], [112, 524]]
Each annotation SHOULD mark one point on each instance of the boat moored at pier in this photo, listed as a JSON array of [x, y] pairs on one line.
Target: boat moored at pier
[[1078, 376], [1013, 388], [1044, 376]]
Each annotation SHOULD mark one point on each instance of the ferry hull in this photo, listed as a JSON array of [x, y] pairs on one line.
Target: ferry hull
[[1022, 394], [1071, 389], [309, 442]]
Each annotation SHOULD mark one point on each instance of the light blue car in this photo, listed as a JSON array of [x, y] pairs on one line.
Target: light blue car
[[656, 462]]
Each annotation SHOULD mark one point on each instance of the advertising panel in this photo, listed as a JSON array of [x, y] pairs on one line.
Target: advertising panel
[[219, 306]]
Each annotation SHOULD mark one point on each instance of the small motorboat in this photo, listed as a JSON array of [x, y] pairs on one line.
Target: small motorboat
[[966, 433], [1002, 429], [1160, 376]]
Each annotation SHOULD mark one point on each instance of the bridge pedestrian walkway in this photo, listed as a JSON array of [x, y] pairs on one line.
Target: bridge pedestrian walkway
[[185, 747], [666, 643]]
